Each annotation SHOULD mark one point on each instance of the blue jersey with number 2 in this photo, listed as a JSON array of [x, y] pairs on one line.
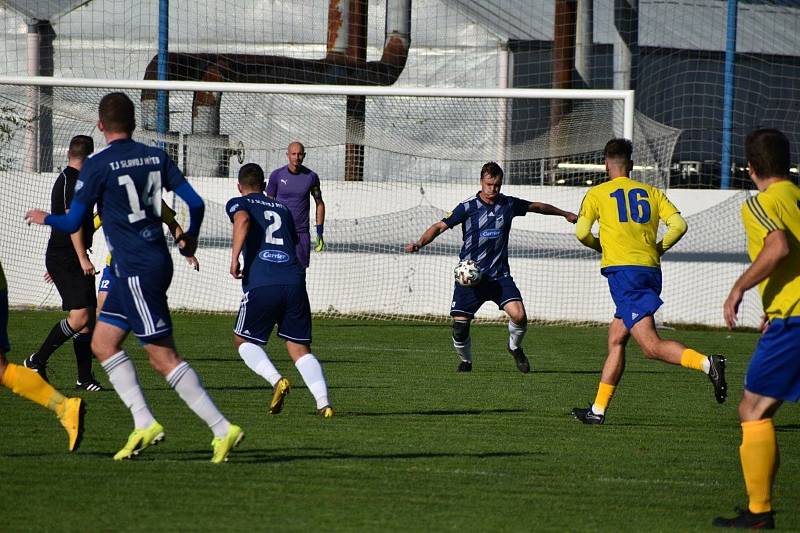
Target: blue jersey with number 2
[[269, 249], [125, 179]]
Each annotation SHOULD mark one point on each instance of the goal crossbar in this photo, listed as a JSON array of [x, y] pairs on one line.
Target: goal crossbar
[[627, 96]]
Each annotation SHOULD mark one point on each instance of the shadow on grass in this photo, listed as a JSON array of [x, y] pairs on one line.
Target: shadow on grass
[[438, 412], [267, 455], [294, 387], [577, 372]]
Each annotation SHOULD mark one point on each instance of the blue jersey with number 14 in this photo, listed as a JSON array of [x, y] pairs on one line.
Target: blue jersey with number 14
[[269, 249], [125, 180]]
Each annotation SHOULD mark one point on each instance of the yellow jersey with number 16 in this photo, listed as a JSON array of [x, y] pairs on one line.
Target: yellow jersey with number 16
[[629, 213]]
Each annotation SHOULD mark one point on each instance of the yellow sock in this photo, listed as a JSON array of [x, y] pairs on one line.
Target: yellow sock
[[28, 384], [692, 359], [603, 398], [759, 455]]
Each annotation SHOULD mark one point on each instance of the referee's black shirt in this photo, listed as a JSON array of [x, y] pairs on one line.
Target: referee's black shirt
[[60, 198]]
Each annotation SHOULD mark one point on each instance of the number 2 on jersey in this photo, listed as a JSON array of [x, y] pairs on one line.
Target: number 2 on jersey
[[638, 202], [274, 223], [151, 195]]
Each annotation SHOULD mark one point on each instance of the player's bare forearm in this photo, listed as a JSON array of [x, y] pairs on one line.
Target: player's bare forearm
[[241, 224], [547, 209], [776, 247], [427, 237], [83, 258], [320, 210]]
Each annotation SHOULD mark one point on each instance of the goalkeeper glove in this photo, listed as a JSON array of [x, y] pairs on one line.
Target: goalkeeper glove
[[319, 243]]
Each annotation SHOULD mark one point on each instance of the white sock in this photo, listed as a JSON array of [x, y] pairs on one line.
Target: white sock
[[122, 375], [598, 410], [258, 361], [187, 384], [464, 349], [311, 371], [515, 334], [706, 365]]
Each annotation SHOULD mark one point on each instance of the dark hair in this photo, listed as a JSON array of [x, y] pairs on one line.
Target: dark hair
[[80, 147], [251, 175], [618, 151], [492, 169], [767, 151], [117, 113]]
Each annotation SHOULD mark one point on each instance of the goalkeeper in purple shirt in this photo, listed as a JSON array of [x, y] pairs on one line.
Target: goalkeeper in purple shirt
[[292, 184], [125, 180]]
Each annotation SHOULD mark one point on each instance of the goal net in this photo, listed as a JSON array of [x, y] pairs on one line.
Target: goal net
[[416, 157]]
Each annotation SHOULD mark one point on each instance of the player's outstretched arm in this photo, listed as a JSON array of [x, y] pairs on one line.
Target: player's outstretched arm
[[241, 225], [68, 223], [430, 234], [547, 209], [776, 247]]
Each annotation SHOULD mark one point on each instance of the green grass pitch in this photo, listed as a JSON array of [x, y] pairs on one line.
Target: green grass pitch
[[414, 445]]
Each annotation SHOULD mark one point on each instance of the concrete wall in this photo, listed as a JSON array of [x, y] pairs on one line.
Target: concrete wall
[[365, 272]]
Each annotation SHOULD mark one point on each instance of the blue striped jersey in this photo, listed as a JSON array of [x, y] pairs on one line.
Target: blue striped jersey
[[485, 230]]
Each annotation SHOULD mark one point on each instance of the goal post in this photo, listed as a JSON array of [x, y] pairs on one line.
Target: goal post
[[422, 153]]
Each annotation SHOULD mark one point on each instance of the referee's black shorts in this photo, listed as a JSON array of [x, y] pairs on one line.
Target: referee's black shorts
[[76, 289]]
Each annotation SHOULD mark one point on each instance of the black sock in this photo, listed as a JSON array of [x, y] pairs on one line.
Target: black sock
[[82, 344], [60, 334]]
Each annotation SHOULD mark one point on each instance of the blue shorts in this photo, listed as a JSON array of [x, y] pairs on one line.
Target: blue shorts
[[263, 307], [106, 280], [467, 300], [139, 304], [774, 370], [636, 292], [5, 345]]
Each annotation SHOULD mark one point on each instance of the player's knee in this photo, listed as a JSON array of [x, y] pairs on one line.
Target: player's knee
[[79, 320], [460, 331], [164, 364]]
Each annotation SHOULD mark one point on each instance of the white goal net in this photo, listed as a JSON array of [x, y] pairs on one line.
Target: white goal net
[[399, 166]]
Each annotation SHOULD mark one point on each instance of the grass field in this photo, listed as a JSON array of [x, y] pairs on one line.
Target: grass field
[[413, 446]]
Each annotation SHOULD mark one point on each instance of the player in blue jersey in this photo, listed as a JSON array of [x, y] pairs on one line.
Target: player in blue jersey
[[274, 285], [485, 224], [125, 180]]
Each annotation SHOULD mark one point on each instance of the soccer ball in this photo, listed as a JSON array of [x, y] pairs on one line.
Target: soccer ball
[[467, 273]]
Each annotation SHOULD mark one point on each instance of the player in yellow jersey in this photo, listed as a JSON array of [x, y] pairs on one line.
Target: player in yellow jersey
[[772, 222], [629, 213], [168, 217], [29, 384]]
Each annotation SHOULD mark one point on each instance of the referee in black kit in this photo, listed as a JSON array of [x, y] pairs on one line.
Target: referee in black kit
[[69, 267]]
